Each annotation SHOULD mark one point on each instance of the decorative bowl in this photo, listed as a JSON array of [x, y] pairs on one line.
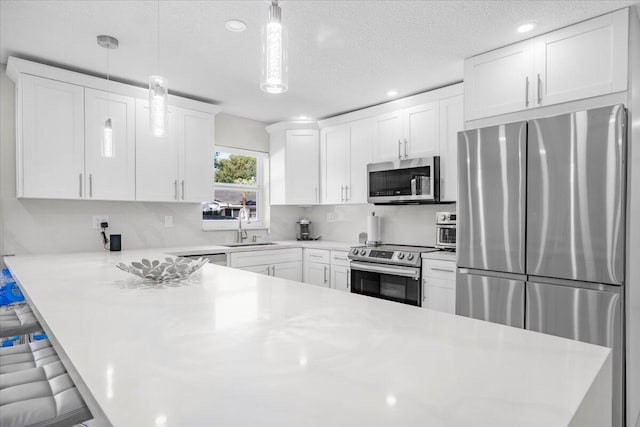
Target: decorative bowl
[[163, 271]]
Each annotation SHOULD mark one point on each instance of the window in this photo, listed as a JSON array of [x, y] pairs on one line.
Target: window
[[237, 189]]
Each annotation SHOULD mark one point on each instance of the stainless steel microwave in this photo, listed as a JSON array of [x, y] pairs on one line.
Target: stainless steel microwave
[[404, 181]]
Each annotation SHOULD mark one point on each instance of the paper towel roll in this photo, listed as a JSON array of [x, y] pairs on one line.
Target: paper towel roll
[[373, 229]]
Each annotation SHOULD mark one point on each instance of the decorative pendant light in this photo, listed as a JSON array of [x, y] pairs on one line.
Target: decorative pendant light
[[274, 53], [108, 43], [158, 95]]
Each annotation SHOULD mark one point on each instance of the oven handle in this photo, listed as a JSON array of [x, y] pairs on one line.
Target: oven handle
[[413, 273]]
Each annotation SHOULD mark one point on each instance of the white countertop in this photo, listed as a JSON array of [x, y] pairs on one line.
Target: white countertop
[[234, 348], [440, 255], [284, 244]]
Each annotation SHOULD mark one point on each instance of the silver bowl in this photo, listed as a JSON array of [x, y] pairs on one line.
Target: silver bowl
[[163, 271]]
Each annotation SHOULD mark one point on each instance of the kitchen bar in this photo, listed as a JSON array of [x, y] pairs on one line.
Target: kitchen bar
[[226, 340]]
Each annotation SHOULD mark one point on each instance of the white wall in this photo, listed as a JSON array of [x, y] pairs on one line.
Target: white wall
[[407, 225], [29, 226]]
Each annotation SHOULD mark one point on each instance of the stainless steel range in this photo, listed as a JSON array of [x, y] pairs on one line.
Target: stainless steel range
[[391, 272]]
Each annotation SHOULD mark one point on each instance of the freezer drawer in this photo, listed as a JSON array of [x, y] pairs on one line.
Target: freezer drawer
[[491, 198], [575, 196], [495, 299], [592, 314]]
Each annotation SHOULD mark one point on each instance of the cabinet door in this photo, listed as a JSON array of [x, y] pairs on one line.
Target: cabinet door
[[260, 269], [500, 81], [360, 154], [50, 139], [288, 270], [317, 273], [441, 298], [583, 60], [340, 277], [195, 155], [421, 129], [302, 164], [156, 163], [109, 165], [388, 136], [334, 163], [451, 122]]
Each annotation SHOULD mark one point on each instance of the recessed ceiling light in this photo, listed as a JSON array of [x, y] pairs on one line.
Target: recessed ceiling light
[[235, 25], [524, 28], [392, 93]]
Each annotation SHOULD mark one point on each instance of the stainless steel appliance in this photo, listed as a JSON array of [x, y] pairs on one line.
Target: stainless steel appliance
[[404, 181], [391, 272], [559, 181], [303, 231], [446, 230]]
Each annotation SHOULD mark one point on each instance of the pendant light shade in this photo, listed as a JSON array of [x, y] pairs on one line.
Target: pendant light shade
[[158, 94], [274, 53], [158, 105], [107, 139]]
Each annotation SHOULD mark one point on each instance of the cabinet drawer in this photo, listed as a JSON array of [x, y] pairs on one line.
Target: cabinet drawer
[[340, 258], [272, 256], [439, 269], [438, 282], [317, 255]]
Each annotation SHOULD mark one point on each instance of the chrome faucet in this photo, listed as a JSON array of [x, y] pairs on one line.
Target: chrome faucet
[[242, 234]]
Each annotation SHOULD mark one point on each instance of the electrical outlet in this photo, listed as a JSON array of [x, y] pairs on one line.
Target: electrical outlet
[[97, 219], [331, 217], [168, 221]]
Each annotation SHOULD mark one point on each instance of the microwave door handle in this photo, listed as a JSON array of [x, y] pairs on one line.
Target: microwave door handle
[[413, 273]]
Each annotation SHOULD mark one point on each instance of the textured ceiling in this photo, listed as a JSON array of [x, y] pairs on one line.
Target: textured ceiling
[[344, 55]]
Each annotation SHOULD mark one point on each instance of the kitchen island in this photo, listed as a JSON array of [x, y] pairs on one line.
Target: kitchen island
[[233, 348]]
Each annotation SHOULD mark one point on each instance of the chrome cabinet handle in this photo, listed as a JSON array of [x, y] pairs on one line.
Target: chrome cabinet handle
[[342, 193], [539, 89], [406, 155], [325, 274], [343, 258], [175, 189], [346, 193], [183, 189], [90, 185], [399, 149], [80, 181], [268, 272], [273, 271], [526, 92], [315, 256]]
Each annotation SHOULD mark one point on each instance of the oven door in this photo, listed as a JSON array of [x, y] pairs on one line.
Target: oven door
[[393, 283], [446, 236]]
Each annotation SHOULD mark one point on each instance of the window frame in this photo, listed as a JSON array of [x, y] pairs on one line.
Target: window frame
[[259, 189]]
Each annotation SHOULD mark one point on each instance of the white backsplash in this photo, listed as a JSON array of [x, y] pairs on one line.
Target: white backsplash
[[406, 224]]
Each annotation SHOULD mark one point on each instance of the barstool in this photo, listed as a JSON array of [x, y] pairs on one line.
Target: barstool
[[35, 389]]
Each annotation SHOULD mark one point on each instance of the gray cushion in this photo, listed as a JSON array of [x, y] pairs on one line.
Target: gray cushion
[[17, 320], [41, 394]]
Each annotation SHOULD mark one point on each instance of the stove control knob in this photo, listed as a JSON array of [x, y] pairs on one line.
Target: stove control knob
[[363, 251], [400, 255], [410, 257], [354, 251]]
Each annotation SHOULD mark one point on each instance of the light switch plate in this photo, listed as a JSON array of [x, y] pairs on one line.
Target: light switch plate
[[168, 221], [97, 219]]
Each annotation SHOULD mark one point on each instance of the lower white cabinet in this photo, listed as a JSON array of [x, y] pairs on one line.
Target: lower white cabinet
[[317, 269], [282, 263], [284, 270], [340, 271], [439, 285]]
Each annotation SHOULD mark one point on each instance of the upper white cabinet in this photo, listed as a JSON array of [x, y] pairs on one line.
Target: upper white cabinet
[[345, 151], [294, 167], [109, 171], [62, 151], [581, 61], [451, 122], [407, 133], [179, 165], [50, 139]]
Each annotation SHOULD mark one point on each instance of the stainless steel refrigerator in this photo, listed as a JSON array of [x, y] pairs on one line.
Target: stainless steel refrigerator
[[541, 218]]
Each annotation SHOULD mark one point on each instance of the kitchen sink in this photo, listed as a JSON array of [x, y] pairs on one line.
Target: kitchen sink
[[243, 245]]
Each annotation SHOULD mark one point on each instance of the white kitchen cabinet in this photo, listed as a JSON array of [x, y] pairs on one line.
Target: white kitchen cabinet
[[439, 285], [288, 270], [294, 167], [50, 139], [109, 175], [580, 61], [451, 122], [345, 151], [317, 267], [408, 133], [340, 271], [179, 165], [583, 60], [500, 81], [283, 263]]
